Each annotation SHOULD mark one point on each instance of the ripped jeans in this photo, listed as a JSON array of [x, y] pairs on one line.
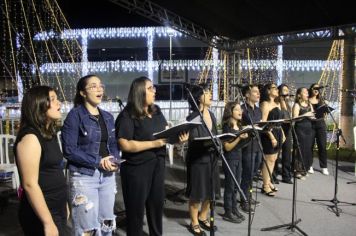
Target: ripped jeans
[[92, 202]]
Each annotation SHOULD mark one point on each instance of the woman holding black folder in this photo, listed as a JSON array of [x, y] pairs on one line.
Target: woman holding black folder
[[201, 163], [142, 175], [232, 149], [272, 140], [319, 127]]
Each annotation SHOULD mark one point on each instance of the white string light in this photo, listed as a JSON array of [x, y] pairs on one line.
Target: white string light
[[193, 65], [150, 52], [110, 33]]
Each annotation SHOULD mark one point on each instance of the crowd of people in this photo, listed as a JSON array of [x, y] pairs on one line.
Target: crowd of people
[[92, 142]]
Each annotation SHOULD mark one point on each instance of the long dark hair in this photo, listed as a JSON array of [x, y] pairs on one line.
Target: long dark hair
[[227, 116], [136, 99], [298, 93], [280, 91], [197, 91], [34, 107], [82, 83], [264, 92], [311, 90]]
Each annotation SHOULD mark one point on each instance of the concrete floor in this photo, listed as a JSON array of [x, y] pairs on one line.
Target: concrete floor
[[317, 218]]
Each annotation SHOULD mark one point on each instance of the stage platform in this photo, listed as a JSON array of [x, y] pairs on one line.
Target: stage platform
[[317, 218]]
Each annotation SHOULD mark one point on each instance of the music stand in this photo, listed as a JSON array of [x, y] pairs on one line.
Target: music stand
[[215, 145], [334, 200], [293, 224]]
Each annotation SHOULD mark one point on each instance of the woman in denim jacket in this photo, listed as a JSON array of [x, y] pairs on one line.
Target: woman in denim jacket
[[89, 145]]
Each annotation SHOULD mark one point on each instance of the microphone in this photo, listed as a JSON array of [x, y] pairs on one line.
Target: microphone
[[348, 90], [189, 85], [119, 101], [321, 87], [239, 85]]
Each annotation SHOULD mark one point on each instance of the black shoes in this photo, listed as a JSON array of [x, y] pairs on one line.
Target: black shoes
[[238, 214], [246, 208], [254, 202], [287, 181], [228, 216], [196, 230], [205, 224]]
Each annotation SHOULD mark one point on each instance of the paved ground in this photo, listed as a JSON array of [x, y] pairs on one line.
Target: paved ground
[[317, 218]]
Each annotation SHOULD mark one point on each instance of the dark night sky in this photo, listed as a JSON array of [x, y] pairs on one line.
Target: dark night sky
[[237, 19], [100, 13]]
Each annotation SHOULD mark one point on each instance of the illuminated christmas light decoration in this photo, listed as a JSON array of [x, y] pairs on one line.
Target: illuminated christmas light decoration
[[84, 38], [123, 66], [215, 73], [110, 33], [150, 52], [279, 64], [194, 65]]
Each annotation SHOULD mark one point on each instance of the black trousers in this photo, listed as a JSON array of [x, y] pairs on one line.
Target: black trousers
[[305, 134], [320, 138], [143, 186], [250, 155], [286, 156], [230, 191]]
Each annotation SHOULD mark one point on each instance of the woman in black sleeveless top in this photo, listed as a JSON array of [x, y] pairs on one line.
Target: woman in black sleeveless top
[[303, 128], [319, 127], [286, 153], [271, 141], [39, 159]]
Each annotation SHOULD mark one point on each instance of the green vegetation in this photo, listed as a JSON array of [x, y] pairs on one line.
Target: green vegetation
[[348, 155]]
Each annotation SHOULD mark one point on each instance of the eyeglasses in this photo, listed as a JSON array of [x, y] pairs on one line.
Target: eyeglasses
[[152, 88], [96, 87]]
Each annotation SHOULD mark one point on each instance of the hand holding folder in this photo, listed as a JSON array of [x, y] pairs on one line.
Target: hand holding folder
[[172, 134]]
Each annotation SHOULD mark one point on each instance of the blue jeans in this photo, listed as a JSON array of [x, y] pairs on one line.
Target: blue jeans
[[92, 202]]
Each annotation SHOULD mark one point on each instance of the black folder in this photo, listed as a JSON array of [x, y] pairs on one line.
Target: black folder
[[302, 117], [172, 134], [324, 109], [205, 142]]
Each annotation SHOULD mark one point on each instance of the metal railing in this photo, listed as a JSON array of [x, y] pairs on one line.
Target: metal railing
[[10, 119]]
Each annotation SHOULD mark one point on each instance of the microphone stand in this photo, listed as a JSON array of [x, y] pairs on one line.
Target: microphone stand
[[335, 201], [293, 225], [256, 134], [216, 147]]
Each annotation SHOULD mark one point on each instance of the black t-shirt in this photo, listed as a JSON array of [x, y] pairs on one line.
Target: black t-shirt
[[103, 150], [256, 116], [143, 129], [51, 177], [235, 153]]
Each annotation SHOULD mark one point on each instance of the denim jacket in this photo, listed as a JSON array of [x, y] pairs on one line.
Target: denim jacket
[[81, 137]]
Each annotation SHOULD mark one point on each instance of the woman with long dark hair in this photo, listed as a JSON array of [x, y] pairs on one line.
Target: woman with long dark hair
[[231, 124], [286, 160], [142, 175], [319, 127], [271, 141], [39, 159], [201, 163], [303, 130], [89, 144]]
